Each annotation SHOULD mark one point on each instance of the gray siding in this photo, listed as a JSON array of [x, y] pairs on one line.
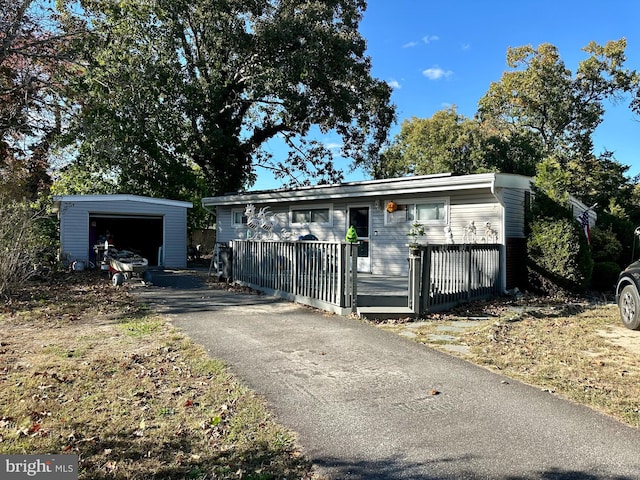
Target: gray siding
[[74, 233], [175, 237], [514, 206], [389, 249], [74, 227]]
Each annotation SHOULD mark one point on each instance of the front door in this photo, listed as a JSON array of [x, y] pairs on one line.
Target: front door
[[359, 218]]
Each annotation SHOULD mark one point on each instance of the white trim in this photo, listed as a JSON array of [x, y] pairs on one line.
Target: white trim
[[235, 224], [59, 199], [364, 264]]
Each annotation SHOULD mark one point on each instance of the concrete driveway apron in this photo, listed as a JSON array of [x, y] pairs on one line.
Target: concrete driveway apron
[[362, 401]]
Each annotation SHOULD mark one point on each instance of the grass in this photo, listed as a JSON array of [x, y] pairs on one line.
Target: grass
[[568, 356], [86, 370], [556, 347]]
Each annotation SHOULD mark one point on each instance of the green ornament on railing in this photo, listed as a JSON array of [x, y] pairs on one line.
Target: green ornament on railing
[[352, 236]]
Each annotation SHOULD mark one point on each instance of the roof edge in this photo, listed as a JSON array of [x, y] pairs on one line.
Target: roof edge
[[375, 188], [58, 199]]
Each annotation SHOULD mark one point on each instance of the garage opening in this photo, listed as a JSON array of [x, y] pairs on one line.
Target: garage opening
[[140, 234]]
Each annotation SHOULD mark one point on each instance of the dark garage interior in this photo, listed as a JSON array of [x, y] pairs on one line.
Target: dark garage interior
[[142, 235]]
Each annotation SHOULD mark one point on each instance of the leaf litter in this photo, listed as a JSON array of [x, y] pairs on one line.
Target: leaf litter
[[132, 404]]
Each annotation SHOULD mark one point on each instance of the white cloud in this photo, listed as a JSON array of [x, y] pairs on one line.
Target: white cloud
[[465, 47], [394, 84], [333, 145], [436, 73], [426, 39]]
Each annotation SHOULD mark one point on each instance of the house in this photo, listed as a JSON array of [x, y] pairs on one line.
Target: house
[[476, 208], [156, 228]]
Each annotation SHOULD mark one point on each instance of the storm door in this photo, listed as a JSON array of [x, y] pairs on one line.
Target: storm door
[[359, 217]]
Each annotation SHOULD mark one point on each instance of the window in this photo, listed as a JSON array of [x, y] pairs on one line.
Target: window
[[319, 215], [428, 212], [238, 218], [433, 211]]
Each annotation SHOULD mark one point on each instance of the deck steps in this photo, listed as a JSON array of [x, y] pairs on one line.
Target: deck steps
[[370, 300], [384, 313]]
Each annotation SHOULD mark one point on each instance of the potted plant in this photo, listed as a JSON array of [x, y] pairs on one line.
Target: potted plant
[[416, 230]]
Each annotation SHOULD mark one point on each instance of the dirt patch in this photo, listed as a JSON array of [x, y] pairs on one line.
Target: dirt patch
[[623, 337]]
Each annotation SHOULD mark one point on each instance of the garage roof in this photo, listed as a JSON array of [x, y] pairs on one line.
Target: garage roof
[[58, 199]]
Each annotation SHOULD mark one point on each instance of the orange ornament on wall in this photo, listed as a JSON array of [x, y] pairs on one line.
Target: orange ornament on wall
[[392, 207]]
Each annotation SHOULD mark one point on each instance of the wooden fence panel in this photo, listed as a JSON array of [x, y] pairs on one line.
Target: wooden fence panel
[[307, 272], [453, 274]]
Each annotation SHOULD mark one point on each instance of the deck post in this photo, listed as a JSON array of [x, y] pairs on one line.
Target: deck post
[[415, 272], [425, 287], [353, 252]]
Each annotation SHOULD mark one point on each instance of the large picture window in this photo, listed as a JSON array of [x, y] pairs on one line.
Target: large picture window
[[432, 211], [319, 215]]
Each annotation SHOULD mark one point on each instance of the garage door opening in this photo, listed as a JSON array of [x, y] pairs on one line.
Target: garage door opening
[[142, 235]]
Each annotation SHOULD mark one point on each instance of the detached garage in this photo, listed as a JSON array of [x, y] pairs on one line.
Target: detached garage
[[153, 227]]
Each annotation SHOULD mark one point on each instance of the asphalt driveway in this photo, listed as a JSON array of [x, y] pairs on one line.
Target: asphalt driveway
[[368, 404]]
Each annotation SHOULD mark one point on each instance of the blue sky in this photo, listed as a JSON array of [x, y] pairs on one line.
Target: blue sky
[[437, 54]]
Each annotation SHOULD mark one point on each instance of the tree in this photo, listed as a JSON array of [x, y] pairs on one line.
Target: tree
[[25, 243], [446, 142], [561, 111], [450, 142], [32, 51], [174, 83]]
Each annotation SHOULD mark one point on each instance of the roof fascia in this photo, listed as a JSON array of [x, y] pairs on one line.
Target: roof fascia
[[389, 187], [58, 199]]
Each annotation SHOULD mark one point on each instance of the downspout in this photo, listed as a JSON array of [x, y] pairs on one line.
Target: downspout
[[503, 234]]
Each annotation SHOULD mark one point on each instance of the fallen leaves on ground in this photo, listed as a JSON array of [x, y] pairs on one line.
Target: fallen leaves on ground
[[81, 373]]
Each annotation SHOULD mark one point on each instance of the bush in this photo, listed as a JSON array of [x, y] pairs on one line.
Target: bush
[[605, 276], [623, 229], [558, 250], [605, 245], [25, 244]]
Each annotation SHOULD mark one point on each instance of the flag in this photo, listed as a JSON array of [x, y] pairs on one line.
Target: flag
[[583, 218]]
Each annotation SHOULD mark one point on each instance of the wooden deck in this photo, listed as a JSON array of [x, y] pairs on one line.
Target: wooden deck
[[318, 274]]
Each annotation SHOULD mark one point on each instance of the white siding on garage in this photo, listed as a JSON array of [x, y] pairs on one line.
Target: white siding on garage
[[75, 212], [74, 233]]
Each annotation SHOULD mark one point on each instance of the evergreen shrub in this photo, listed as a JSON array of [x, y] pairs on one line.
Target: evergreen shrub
[[558, 250]]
